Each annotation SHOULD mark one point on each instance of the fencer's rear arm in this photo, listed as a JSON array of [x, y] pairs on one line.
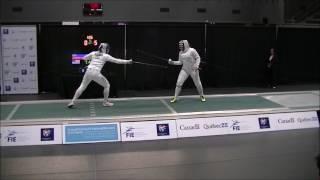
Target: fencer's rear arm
[[196, 56], [88, 56]]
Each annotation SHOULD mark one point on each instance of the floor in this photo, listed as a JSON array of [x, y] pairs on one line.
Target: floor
[[278, 155]]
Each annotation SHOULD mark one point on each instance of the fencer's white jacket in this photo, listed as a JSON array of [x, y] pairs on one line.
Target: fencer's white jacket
[[98, 60], [188, 58]]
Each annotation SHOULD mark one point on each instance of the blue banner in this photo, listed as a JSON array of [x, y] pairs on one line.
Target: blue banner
[[91, 133]]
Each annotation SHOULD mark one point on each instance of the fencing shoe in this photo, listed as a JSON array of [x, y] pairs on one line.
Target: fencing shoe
[[173, 100], [107, 104], [70, 105], [202, 99]]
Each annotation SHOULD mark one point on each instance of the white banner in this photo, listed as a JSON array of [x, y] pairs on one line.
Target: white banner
[[246, 124], [216, 126], [19, 59], [295, 120], [148, 130], [31, 135], [1, 65]]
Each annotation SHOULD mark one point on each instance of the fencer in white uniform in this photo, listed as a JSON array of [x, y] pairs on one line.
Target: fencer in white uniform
[[93, 73], [190, 61]]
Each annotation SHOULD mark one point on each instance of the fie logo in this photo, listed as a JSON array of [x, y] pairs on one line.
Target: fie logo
[[129, 132], [11, 137], [235, 125]]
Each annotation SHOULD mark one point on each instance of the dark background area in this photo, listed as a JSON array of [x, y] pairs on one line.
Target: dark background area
[[233, 55], [237, 55], [299, 55], [159, 40]]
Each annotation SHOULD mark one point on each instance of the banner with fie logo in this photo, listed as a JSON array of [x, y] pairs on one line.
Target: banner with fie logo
[[148, 130], [31, 135], [19, 60]]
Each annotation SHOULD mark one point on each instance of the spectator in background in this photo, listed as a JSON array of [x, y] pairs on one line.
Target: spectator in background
[[270, 71]]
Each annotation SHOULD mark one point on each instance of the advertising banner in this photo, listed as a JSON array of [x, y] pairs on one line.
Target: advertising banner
[[1, 67], [286, 121], [148, 130], [216, 126], [19, 59], [246, 124], [31, 135], [91, 133]]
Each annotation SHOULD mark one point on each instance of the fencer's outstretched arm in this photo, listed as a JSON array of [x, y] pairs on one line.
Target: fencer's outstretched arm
[[117, 60]]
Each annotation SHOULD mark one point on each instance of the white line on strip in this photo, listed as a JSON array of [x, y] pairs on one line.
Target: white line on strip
[[168, 106], [14, 110], [92, 109]]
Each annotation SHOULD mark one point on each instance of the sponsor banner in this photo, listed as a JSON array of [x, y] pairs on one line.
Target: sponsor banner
[[19, 60], [216, 126], [286, 121], [246, 124], [1, 67], [148, 130], [31, 135], [91, 133]]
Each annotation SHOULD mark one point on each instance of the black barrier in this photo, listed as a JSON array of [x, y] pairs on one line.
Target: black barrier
[[236, 55], [299, 55]]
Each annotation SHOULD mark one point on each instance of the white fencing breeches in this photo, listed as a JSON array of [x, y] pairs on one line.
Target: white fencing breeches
[[183, 75], [93, 75]]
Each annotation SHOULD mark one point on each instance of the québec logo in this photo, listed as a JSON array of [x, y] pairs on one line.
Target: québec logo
[[264, 122], [163, 129], [47, 134]]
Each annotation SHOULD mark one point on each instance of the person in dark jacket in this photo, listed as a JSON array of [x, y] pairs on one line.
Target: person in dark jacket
[[270, 72]]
